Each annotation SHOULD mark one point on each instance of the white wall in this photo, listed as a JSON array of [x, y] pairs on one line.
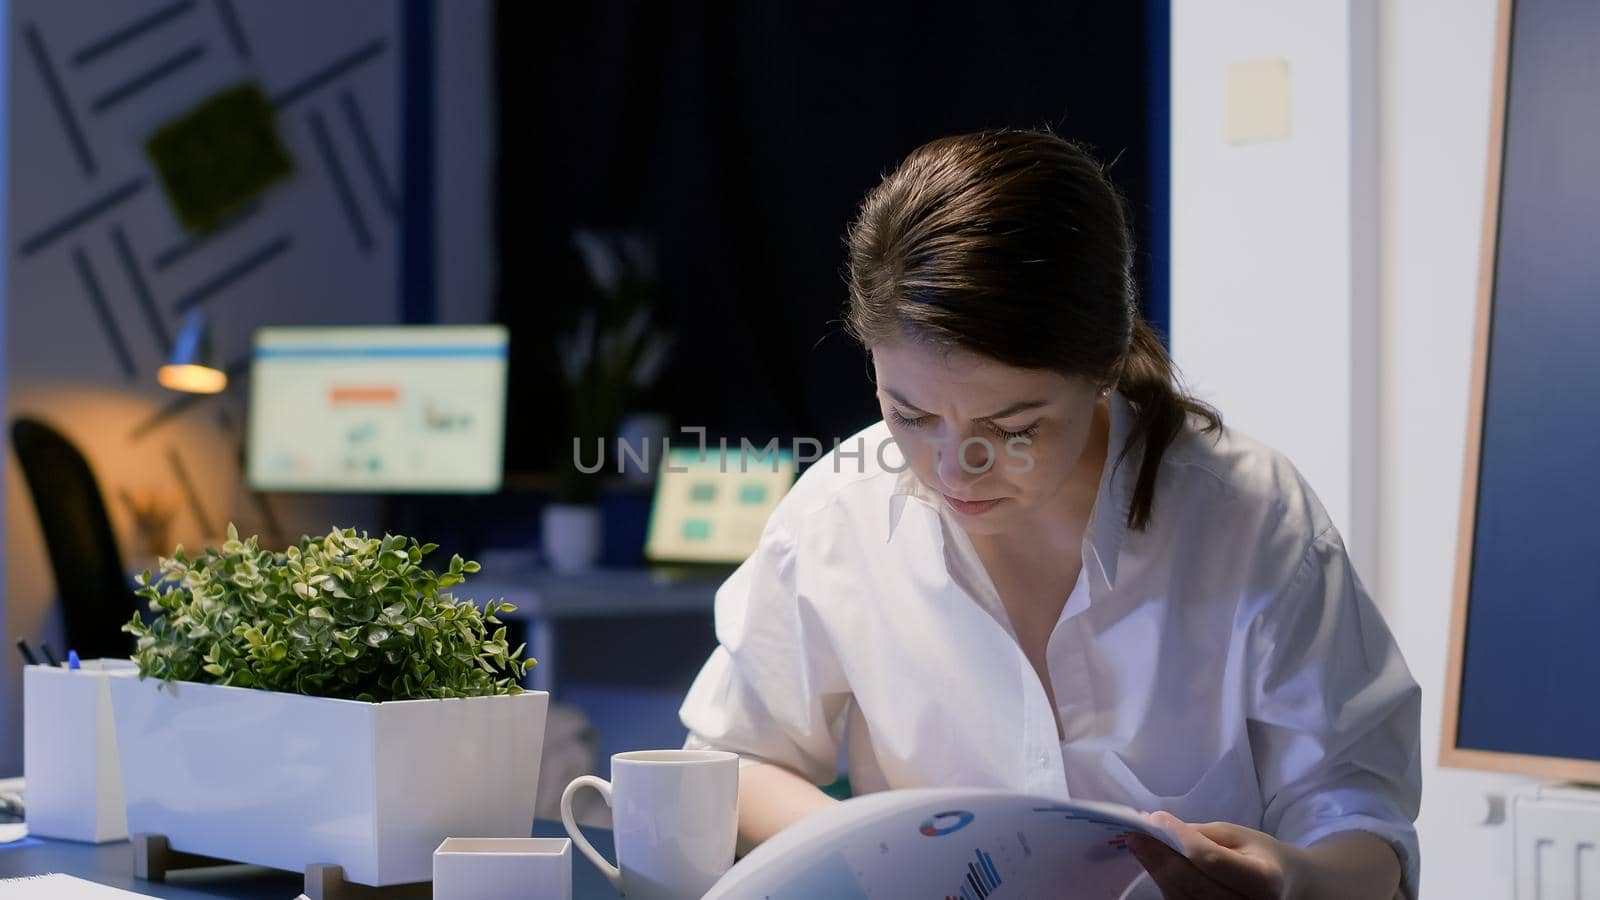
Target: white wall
[[1436, 68], [1274, 241], [1433, 66]]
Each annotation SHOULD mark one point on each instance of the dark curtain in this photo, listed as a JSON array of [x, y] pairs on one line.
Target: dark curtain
[[743, 136]]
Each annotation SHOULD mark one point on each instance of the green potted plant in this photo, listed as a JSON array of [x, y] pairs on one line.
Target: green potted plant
[[329, 703], [609, 361]]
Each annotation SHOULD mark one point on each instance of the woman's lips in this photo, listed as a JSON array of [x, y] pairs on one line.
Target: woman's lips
[[971, 507]]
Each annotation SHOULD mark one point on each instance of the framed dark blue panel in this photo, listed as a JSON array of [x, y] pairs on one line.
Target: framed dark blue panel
[[1524, 680]]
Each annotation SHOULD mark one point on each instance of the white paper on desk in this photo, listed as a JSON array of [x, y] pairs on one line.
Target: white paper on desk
[[59, 887]]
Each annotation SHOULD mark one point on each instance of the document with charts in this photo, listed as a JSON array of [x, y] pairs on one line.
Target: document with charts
[[947, 844]]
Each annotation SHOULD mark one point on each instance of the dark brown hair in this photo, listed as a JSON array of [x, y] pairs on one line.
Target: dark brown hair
[[1014, 245]]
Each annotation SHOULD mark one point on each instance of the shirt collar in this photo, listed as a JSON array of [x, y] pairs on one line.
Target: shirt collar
[[1108, 525]]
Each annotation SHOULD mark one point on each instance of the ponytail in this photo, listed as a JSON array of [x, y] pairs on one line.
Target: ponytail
[[1161, 407]]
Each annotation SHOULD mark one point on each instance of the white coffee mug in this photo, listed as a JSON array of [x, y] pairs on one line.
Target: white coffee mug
[[675, 818]]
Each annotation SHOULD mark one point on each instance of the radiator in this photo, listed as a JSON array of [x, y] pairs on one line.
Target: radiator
[[1557, 834]]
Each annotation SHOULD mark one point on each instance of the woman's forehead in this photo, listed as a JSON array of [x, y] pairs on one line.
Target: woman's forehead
[[919, 373]]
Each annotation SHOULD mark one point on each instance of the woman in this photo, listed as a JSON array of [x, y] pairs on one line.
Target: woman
[[1049, 570]]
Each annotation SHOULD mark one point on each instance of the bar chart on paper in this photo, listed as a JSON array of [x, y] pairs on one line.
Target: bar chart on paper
[[982, 879]]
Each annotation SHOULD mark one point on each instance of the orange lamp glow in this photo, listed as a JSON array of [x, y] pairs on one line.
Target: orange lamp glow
[[192, 379]]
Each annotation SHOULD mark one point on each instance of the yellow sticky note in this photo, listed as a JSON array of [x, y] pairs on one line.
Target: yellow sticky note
[[1258, 102]]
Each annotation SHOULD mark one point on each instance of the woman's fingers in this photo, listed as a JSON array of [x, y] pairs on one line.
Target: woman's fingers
[[1176, 876], [1200, 849], [1167, 868], [1227, 834], [1245, 862]]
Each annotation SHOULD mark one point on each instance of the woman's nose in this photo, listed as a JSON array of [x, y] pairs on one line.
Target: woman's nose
[[964, 460]]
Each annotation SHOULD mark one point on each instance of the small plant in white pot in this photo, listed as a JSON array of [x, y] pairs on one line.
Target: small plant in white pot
[[327, 704], [610, 361]]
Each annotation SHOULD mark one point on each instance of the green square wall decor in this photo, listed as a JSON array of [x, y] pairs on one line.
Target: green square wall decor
[[219, 156]]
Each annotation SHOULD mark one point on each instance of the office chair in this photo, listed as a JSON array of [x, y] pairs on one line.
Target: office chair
[[96, 596]]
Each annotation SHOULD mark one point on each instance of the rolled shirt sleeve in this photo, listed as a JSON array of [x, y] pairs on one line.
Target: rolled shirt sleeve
[[1335, 715], [772, 691]]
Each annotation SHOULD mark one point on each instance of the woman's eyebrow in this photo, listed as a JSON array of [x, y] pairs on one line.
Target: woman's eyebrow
[[1013, 409], [895, 395]]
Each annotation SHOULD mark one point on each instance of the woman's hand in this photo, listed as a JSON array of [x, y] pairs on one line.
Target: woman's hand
[[1224, 861]]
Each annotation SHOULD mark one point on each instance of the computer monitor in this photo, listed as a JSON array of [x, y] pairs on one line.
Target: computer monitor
[[711, 507], [393, 409]]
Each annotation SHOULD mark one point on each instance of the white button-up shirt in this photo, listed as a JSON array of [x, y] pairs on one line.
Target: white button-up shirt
[[1225, 663]]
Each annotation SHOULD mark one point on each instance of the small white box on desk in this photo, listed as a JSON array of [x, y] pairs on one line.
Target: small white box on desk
[[498, 868], [72, 782]]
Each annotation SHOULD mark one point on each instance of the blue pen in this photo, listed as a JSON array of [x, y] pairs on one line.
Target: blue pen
[[72, 660]]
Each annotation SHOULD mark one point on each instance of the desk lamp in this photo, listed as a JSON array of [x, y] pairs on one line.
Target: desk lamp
[[193, 367]]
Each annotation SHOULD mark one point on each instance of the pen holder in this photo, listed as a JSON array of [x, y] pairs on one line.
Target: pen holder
[[72, 782]]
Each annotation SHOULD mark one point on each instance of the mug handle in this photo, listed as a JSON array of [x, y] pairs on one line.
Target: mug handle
[[611, 872]]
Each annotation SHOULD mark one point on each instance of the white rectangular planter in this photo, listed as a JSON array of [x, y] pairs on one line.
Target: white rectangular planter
[[284, 780]]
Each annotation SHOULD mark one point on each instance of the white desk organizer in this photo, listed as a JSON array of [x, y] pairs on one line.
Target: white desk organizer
[[72, 780], [497, 868]]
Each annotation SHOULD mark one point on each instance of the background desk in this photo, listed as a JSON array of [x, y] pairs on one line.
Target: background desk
[[604, 598], [620, 645], [112, 864]]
